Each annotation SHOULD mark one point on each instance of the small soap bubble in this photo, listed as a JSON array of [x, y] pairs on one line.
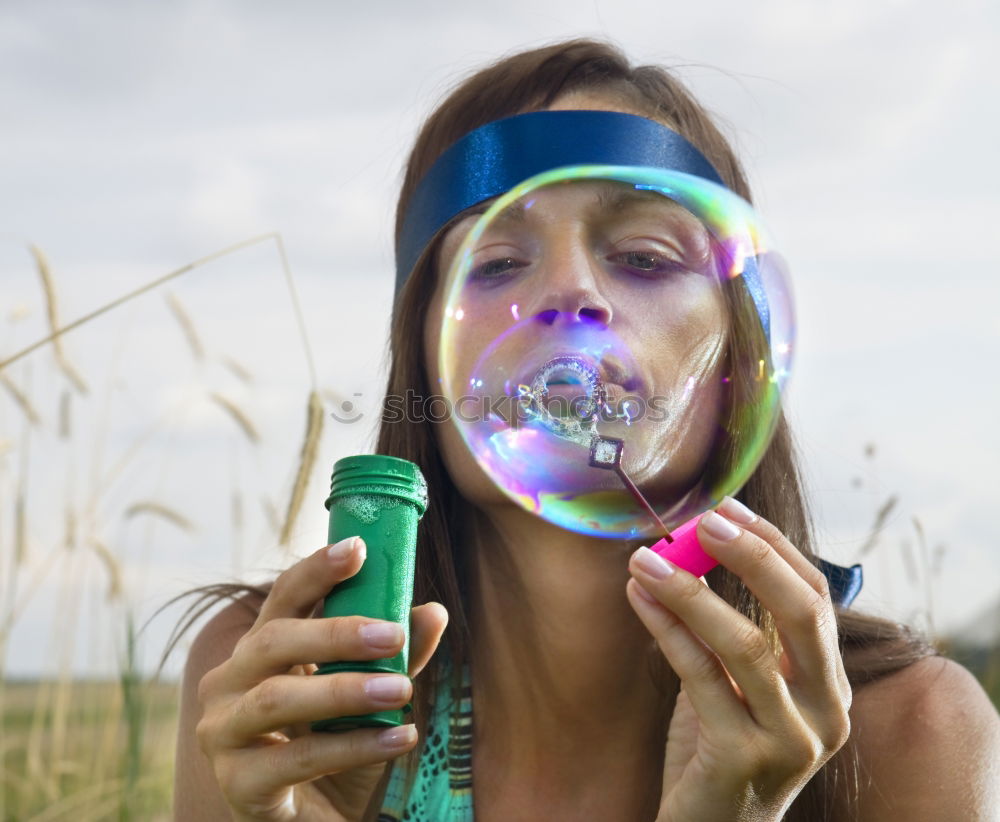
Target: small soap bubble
[[607, 327]]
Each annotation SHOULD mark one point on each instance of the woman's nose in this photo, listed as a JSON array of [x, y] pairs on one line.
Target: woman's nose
[[571, 289]]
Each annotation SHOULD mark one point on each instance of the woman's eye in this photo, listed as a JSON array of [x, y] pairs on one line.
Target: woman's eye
[[493, 269], [649, 262]]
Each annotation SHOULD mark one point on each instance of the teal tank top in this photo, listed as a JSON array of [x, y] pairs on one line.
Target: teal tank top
[[442, 789]]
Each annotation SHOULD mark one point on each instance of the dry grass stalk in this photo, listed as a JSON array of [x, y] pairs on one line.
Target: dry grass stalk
[[271, 512], [238, 415], [178, 272], [113, 567], [187, 325], [70, 539], [333, 396], [65, 400], [33, 751], [63, 644], [160, 510], [20, 527], [307, 458], [909, 563], [52, 311], [880, 519], [104, 795], [20, 399], [109, 744], [238, 369]]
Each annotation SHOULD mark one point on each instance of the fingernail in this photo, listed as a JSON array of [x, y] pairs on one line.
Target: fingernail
[[652, 563], [387, 688], [719, 527], [343, 549], [737, 511], [382, 634], [397, 737]]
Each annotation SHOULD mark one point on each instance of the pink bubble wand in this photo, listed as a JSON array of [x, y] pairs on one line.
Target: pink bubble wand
[[680, 546]]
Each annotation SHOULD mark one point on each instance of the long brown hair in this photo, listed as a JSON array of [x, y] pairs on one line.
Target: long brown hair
[[532, 80]]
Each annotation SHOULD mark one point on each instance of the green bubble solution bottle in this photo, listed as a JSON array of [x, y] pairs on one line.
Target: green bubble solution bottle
[[380, 499]]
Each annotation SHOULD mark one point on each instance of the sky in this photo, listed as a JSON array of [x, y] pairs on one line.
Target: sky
[[139, 138]]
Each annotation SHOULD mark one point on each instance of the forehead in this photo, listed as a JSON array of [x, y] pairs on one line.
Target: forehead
[[591, 199], [603, 198]]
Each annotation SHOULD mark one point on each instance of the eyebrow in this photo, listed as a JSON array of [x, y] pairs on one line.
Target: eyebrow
[[618, 198]]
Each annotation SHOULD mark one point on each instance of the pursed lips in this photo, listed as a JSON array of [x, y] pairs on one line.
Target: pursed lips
[[611, 374]]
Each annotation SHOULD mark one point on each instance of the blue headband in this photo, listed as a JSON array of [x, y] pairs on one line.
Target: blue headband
[[495, 157]]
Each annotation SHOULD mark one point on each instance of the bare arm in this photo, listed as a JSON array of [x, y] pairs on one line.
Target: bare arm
[[196, 793]]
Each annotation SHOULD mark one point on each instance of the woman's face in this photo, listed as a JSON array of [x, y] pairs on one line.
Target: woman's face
[[600, 262]]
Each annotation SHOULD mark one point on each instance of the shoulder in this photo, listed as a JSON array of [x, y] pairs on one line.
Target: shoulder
[[928, 742]]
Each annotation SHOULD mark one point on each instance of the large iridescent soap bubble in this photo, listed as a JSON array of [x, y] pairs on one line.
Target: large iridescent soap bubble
[[614, 346]]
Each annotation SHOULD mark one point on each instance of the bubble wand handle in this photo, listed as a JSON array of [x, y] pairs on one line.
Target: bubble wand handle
[[684, 550]]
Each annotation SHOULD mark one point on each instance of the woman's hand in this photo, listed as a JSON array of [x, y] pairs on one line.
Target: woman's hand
[[265, 687], [750, 727]]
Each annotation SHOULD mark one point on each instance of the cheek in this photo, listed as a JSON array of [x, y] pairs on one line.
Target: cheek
[[685, 359], [470, 480], [687, 344]]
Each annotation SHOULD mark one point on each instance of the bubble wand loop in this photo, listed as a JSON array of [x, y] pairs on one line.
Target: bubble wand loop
[[606, 452]]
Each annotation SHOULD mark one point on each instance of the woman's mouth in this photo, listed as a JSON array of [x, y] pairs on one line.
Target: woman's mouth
[[573, 376], [568, 386], [577, 387]]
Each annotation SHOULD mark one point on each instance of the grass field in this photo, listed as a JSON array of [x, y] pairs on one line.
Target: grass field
[[83, 750]]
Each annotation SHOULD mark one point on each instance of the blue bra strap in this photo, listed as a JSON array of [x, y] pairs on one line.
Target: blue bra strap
[[845, 583]]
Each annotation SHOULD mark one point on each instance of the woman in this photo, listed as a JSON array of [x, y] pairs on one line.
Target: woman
[[854, 718]]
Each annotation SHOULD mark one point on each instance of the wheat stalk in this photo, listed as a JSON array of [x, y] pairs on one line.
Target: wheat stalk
[[113, 567], [307, 458], [70, 538], [880, 518], [65, 407], [20, 526], [238, 369], [160, 510], [184, 269], [20, 399], [52, 312], [237, 414], [271, 512], [187, 325]]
